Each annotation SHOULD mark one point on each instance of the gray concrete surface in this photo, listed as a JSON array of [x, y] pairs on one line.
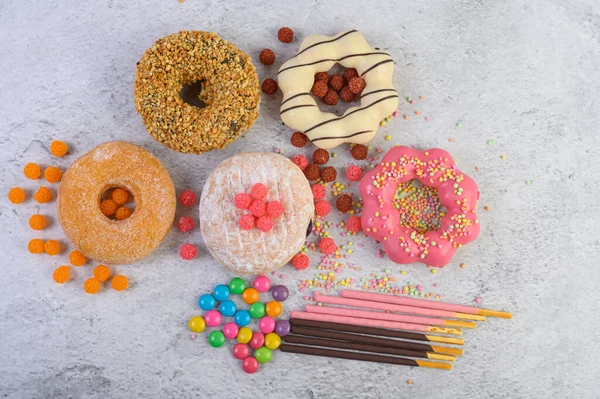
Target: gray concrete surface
[[523, 73]]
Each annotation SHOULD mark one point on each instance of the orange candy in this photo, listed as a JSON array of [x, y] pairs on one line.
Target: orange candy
[[123, 213], [62, 274], [43, 195], [58, 148], [52, 174], [32, 171], [120, 196], [36, 246], [16, 195], [77, 258], [102, 273], [91, 285], [52, 247], [120, 283], [273, 308], [250, 295], [108, 207], [37, 222]]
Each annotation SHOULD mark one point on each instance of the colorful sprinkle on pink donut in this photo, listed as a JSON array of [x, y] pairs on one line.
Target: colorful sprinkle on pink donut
[[457, 193]]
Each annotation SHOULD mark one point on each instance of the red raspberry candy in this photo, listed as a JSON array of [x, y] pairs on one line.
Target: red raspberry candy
[[353, 173], [267, 57], [350, 73], [336, 82], [285, 35], [300, 261], [264, 223], [274, 209], [346, 95], [301, 161], [188, 251], [185, 224], [319, 88], [299, 139], [258, 208], [187, 198], [318, 191], [354, 224], [322, 76], [322, 208], [269, 86], [246, 222], [259, 191], [331, 98], [327, 246], [242, 201], [356, 85]]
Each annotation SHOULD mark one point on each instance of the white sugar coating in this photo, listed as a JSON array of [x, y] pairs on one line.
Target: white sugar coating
[[116, 164], [254, 252]]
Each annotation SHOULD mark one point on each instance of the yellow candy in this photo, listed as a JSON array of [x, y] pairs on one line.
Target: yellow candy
[[244, 335], [197, 324], [272, 341]]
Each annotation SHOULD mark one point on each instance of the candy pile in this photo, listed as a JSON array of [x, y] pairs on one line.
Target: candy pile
[[262, 213], [267, 57], [220, 304], [346, 86]]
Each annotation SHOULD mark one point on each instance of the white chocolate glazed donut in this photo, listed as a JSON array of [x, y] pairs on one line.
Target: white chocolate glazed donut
[[319, 53]]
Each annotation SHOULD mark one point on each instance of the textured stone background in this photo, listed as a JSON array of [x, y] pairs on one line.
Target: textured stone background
[[523, 73]]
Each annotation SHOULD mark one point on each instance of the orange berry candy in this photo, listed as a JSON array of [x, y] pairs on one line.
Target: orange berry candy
[[102, 273], [52, 174], [250, 295], [77, 258], [32, 171], [37, 222], [123, 213], [43, 195], [62, 274], [119, 283], [36, 246], [16, 195], [91, 285], [108, 207], [52, 247], [58, 148], [273, 308], [120, 196]]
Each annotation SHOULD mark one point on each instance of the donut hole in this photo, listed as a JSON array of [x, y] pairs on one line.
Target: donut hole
[[117, 203], [419, 206], [341, 105], [194, 94]]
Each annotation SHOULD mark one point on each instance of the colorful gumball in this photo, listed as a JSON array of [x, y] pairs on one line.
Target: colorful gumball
[[263, 355], [266, 324], [216, 339], [237, 285], [227, 308], [221, 292], [240, 351], [242, 318], [230, 330], [250, 295], [282, 328], [258, 340], [273, 309], [280, 293], [244, 335], [197, 324], [207, 302], [272, 341], [257, 310], [262, 284], [250, 365], [212, 318]]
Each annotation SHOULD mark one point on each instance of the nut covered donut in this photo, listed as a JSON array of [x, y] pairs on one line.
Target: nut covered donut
[[229, 90], [254, 212], [318, 53], [116, 164], [457, 192]]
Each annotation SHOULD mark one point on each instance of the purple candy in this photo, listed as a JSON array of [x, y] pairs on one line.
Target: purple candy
[[282, 328], [280, 293]]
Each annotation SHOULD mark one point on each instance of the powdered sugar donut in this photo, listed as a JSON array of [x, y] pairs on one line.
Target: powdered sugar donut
[[251, 250], [457, 193]]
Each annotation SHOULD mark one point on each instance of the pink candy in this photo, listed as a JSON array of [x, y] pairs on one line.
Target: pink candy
[[265, 324], [262, 284], [213, 318], [230, 330], [258, 340]]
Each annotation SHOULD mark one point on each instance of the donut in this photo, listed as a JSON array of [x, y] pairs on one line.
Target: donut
[[252, 251], [317, 53], [457, 192], [215, 73], [111, 241]]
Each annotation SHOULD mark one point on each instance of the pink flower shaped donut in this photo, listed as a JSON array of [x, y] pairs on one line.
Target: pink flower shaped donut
[[457, 192]]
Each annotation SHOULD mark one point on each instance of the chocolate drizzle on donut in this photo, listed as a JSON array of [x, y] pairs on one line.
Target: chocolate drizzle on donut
[[376, 91], [375, 66], [297, 95], [342, 137], [328, 41], [333, 60], [297, 106]]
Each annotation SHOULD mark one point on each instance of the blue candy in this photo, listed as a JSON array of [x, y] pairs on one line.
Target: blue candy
[[227, 308], [242, 318], [207, 302], [221, 292]]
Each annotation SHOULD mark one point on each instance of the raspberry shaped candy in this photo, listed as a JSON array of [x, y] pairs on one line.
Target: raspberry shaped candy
[[187, 198], [274, 209], [327, 246], [185, 224], [188, 251], [265, 223], [318, 191], [301, 161], [258, 208], [300, 261], [246, 222], [353, 173], [242, 201], [259, 191], [322, 208]]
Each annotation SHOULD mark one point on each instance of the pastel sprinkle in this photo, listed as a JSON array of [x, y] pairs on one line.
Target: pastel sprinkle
[[459, 124], [478, 300]]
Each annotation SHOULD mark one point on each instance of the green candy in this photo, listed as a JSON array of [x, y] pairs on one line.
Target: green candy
[[237, 286], [263, 354], [216, 339], [257, 310]]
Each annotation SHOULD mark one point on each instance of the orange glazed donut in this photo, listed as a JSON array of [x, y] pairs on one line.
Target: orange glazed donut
[[116, 164]]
